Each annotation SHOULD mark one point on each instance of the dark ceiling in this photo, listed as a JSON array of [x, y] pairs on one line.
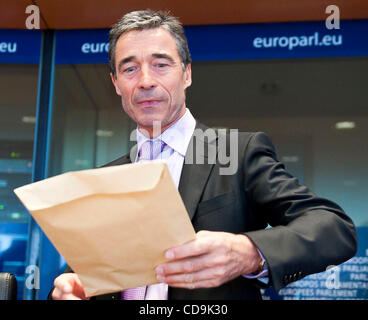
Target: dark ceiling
[[87, 14]]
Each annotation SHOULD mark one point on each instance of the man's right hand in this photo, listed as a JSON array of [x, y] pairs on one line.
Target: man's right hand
[[68, 287]]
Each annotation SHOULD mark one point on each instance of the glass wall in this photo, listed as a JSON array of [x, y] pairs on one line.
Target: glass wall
[[89, 127], [18, 86], [19, 68]]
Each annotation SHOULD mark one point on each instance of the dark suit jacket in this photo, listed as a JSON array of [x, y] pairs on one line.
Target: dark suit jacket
[[308, 233]]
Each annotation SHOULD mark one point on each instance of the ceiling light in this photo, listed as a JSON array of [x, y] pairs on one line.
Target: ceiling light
[[15, 215], [29, 119], [345, 125], [81, 162], [292, 159], [104, 133], [3, 183]]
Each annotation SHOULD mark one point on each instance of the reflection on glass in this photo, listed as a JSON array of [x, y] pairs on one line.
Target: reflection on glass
[[18, 85], [89, 127]]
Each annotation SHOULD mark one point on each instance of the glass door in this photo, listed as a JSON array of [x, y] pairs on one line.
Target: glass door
[[18, 92]]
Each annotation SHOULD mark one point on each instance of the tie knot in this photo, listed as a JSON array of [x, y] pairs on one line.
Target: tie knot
[[150, 149]]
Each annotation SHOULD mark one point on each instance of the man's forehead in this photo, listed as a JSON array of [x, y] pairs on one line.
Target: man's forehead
[[147, 36], [149, 42]]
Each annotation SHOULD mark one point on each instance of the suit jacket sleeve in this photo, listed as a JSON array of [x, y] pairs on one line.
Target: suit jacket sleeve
[[308, 233]]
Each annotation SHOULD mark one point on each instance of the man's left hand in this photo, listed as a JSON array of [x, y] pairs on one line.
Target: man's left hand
[[210, 260]]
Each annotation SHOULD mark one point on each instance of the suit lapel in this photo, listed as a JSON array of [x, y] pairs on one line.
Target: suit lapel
[[194, 176]]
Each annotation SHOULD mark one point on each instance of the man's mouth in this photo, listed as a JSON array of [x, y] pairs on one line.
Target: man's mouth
[[148, 102]]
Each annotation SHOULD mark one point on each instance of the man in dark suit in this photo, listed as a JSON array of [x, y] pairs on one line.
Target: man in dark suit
[[229, 202]]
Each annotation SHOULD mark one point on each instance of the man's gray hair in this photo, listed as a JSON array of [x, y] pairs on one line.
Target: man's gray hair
[[149, 19]]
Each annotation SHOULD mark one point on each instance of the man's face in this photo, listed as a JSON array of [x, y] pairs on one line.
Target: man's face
[[150, 78]]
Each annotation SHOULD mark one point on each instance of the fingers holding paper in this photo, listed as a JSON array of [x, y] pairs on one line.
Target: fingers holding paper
[[68, 287], [210, 260]]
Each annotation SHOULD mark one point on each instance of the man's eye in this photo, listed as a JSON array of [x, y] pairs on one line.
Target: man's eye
[[129, 70], [161, 65]]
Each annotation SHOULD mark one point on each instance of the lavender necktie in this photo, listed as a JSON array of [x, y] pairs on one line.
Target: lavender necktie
[[149, 150], [138, 293]]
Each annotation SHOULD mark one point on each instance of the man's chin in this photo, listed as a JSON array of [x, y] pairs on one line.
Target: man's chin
[[150, 125]]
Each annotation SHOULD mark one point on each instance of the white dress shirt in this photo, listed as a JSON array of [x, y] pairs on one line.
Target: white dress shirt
[[177, 138]]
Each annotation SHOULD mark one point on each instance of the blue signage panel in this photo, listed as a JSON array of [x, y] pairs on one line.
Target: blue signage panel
[[235, 42], [278, 40], [348, 281], [20, 46], [82, 46]]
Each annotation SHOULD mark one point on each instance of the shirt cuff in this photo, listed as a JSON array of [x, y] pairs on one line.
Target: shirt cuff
[[263, 273]]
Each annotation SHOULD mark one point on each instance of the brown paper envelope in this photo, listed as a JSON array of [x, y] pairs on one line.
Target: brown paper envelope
[[112, 225]]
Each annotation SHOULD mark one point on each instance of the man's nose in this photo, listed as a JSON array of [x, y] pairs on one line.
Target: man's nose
[[146, 80]]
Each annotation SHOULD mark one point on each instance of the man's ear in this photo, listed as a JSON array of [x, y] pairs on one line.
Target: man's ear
[[115, 83], [188, 76]]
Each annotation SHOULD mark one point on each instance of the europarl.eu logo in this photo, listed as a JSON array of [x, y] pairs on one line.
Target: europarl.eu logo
[[101, 47], [8, 47]]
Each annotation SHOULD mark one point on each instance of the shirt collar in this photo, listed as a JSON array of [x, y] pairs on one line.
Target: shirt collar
[[177, 136]]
